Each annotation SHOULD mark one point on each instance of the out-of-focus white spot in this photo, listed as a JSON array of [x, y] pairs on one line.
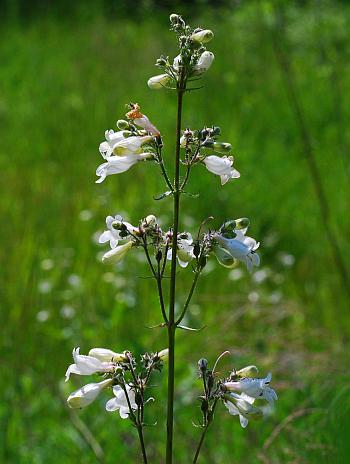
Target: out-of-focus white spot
[[47, 264], [85, 215], [68, 312], [42, 316], [45, 286], [253, 297], [74, 280], [236, 274]]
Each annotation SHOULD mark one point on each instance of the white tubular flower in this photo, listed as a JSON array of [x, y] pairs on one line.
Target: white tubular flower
[[115, 255], [87, 394], [241, 248], [184, 250], [142, 120], [158, 82], [120, 402], [205, 61], [251, 389], [106, 148], [86, 365], [203, 36], [112, 235], [221, 167], [106, 355], [237, 405], [131, 145], [119, 164]]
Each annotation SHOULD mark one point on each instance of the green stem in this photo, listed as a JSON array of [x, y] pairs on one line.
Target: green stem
[[200, 444], [210, 420], [142, 443], [171, 317]]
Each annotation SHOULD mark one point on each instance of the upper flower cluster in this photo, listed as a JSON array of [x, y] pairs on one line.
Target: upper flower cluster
[[192, 61]]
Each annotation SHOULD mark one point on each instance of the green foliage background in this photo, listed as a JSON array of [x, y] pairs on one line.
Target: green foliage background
[[64, 79]]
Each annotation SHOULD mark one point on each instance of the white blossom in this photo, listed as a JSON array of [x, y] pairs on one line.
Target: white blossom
[[106, 148], [87, 394], [112, 235], [86, 365], [118, 253], [205, 61], [120, 401], [184, 249], [252, 389], [241, 406], [131, 145], [159, 81], [241, 248], [221, 166], [119, 164]]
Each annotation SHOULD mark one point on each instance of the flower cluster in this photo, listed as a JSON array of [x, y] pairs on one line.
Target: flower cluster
[[192, 61], [136, 140], [238, 392], [229, 244], [119, 371]]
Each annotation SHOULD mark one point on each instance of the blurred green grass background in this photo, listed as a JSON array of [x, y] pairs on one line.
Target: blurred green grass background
[[64, 79]]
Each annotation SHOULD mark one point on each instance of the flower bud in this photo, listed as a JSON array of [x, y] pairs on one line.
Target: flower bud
[[222, 147], [161, 61], [249, 371], [242, 223], [203, 364], [227, 230], [122, 124], [203, 36], [87, 394], [158, 82], [118, 253], [105, 355], [164, 354], [150, 220]]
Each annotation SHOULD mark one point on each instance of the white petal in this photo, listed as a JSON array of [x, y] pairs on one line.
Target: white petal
[[104, 237], [112, 405], [243, 420]]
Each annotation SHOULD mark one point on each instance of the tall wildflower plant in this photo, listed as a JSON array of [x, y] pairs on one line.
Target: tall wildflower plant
[[138, 140]]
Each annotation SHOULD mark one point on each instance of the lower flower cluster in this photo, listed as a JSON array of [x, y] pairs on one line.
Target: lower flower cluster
[[127, 379], [238, 392]]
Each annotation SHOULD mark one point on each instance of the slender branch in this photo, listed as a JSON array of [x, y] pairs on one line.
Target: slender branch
[[289, 82], [160, 293], [162, 167], [205, 429], [137, 423], [158, 278], [189, 165], [193, 286], [181, 86]]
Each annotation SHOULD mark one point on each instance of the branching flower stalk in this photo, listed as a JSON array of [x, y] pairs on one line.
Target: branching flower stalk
[[139, 140]]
